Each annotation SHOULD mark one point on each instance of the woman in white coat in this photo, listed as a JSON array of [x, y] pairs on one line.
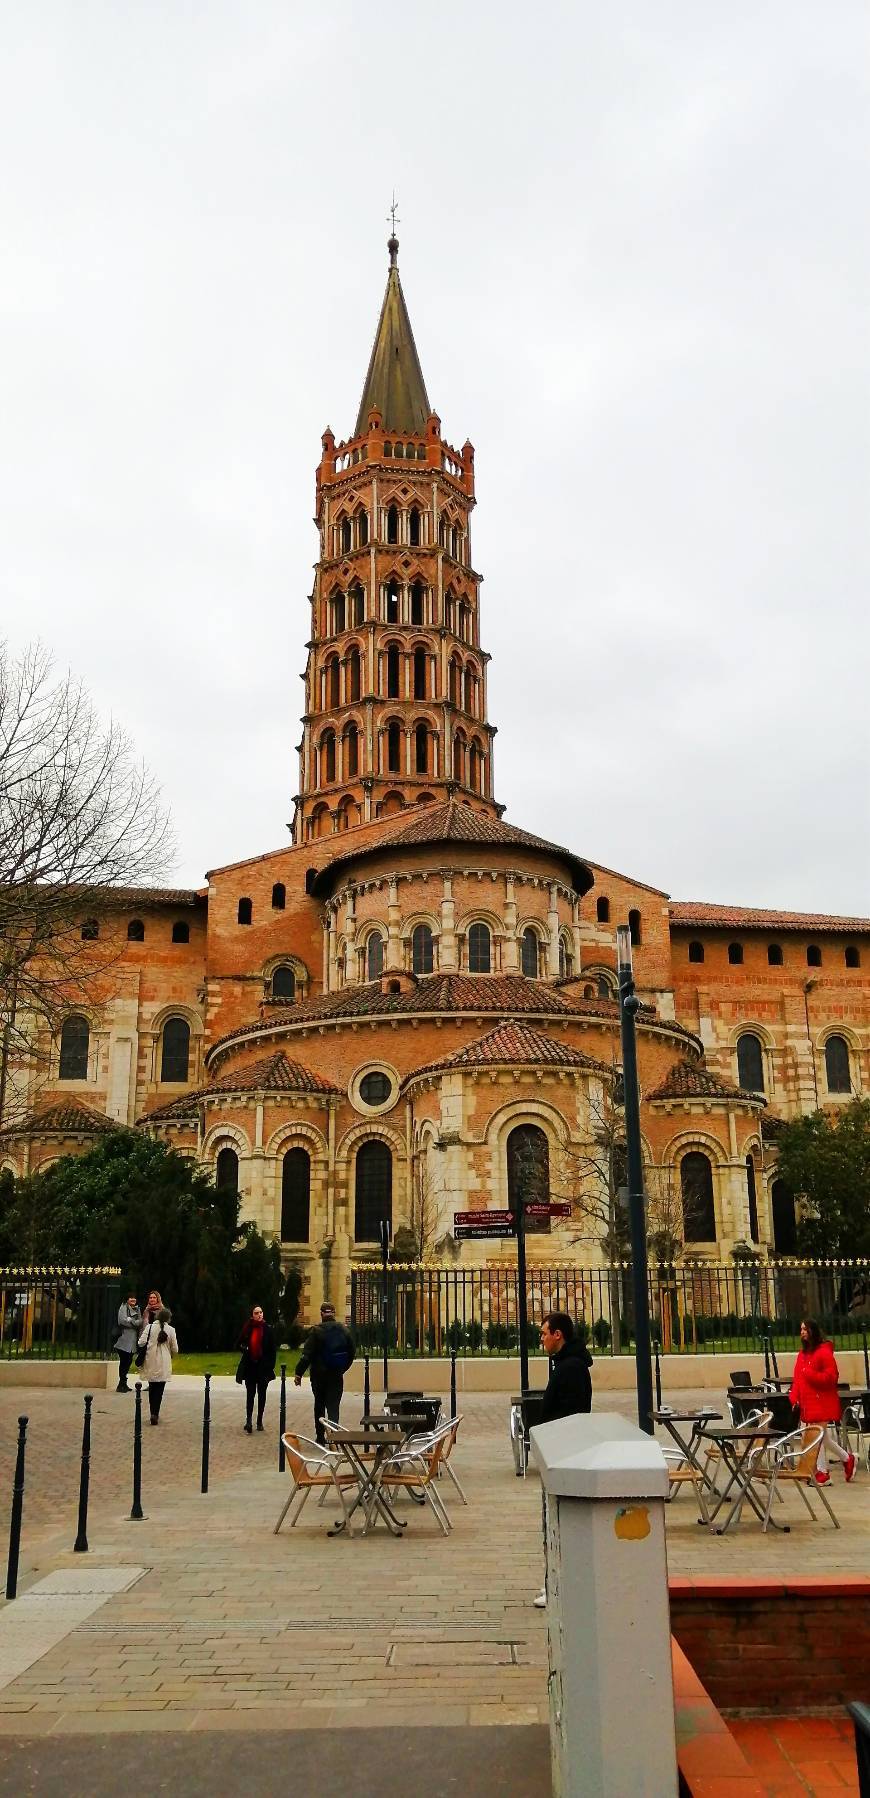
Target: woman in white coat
[[160, 1343]]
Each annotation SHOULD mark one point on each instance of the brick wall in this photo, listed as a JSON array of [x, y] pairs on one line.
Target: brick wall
[[772, 1646]]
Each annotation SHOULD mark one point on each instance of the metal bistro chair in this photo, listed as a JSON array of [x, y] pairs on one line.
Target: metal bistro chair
[[524, 1414], [741, 1417], [741, 1379], [310, 1466], [415, 1469], [680, 1473], [794, 1460]]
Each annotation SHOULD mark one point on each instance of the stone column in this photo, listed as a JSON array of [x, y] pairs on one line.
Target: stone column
[[510, 946], [332, 956], [447, 953], [393, 958], [553, 928], [350, 957]]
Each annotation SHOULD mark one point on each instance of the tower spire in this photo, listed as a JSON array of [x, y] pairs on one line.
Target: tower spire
[[394, 385]]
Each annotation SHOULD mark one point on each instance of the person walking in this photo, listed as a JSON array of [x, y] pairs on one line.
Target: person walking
[[568, 1391], [257, 1365], [814, 1392], [129, 1325], [160, 1343], [328, 1353]]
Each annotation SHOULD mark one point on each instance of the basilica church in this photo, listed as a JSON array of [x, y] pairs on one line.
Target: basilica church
[[397, 1011]]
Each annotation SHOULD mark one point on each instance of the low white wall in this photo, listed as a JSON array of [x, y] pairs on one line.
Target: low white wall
[[491, 1373], [88, 1376]]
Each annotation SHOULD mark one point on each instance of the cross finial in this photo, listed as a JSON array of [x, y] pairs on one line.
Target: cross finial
[[393, 241], [394, 218]]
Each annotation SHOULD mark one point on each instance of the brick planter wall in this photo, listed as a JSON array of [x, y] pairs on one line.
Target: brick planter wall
[[770, 1646]]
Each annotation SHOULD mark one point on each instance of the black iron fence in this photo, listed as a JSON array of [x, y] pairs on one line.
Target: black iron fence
[[695, 1308], [58, 1313]]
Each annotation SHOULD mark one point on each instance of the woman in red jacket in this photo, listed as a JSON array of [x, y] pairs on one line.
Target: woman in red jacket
[[814, 1390]]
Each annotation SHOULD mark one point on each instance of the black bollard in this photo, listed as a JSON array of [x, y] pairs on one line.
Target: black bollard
[[453, 1385], [17, 1507], [282, 1417], [767, 1358], [367, 1391], [137, 1513], [206, 1431], [658, 1382], [80, 1545], [866, 1359]]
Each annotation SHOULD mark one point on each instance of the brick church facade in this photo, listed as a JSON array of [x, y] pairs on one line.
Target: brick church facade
[[414, 1000]]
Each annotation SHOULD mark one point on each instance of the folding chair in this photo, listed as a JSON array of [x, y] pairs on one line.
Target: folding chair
[[446, 1453], [681, 1473], [794, 1460], [415, 1468], [310, 1466]]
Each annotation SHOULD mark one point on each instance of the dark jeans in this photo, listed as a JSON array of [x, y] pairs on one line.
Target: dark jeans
[[156, 1389], [327, 1390], [256, 1385], [125, 1362]]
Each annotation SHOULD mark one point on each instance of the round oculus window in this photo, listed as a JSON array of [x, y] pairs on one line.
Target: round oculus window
[[375, 1088]]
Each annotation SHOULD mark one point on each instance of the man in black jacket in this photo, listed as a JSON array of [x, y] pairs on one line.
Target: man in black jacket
[[328, 1353], [569, 1388]]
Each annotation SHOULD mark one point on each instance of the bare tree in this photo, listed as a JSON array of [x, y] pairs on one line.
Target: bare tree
[[415, 1240], [79, 818]]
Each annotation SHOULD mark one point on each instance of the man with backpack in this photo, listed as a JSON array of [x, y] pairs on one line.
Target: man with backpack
[[326, 1356]]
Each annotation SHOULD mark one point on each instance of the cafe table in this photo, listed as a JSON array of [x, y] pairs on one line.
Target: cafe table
[[688, 1444], [736, 1446], [366, 1452]]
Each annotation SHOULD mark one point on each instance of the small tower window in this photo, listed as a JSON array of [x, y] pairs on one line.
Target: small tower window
[[245, 912], [362, 529], [393, 748], [417, 592], [346, 536], [90, 930], [338, 614], [602, 910], [814, 956], [735, 954], [374, 956], [393, 671], [634, 928], [479, 949], [696, 951], [180, 932], [327, 757], [353, 676], [334, 683], [393, 525], [529, 953], [279, 896], [135, 931], [421, 749], [459, 760], [414, 527], [419, 673], [357, 606], [566, 960], [351, 751], [422, 949], [853, 956], [284, 983], [774, 955], [393, 603]]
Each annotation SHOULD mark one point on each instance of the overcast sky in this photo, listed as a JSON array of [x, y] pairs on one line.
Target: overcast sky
[[634, 248]]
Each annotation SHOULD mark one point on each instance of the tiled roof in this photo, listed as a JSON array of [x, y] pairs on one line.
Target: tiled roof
[[177, 1109], [127, 896], [697, 914], [687, 1082], [273, 1073], [69, 1117], [515, 1045], [452, 822], [772, 1126]]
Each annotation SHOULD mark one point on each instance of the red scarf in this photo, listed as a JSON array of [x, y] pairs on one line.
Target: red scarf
[[255, 1342]]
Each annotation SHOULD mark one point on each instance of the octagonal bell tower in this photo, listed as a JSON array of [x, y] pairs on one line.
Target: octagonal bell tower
[[395, 684]]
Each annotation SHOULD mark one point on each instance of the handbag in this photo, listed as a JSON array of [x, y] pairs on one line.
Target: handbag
[[240, 1372], [142, 1351]]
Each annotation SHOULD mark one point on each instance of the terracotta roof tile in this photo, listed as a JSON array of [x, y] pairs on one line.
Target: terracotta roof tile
[[686, 914], [68, 1117], [272, 1073], [515, 1045], [452, 822], [177, 1109], [687, 1082]]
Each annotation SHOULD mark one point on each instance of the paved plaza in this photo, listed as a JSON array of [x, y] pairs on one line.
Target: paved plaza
[[227, 1627]]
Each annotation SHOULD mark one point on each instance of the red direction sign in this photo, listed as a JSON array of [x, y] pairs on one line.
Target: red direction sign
[[559, 1208], [482, 1232], [502, 1219]]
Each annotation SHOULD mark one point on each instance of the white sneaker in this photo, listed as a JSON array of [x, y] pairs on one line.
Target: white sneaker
[[540, 1603]]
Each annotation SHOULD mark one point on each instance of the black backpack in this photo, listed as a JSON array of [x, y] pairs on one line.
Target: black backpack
[[336, 1352]]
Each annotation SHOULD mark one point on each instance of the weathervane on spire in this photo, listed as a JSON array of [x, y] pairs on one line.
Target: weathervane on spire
[[394, 220]]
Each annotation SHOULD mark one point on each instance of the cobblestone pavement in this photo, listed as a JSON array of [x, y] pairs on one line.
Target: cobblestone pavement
[[232, 1627]]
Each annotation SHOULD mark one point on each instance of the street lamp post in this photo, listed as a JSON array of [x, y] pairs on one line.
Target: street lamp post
[[628, 1006]]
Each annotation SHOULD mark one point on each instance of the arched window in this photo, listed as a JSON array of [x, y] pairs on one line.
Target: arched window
[[279, 896], [566, 959], [374, 956], [696, 951], [75, 1039], [837, 1072], [393, 671], [774, 955], [529, 953], [373, 1194], [333, 683], [455, 682], [735, 954], [362, 529], [284, 982], [346, 536], [528, 1171], [417, 592], [357, 606], [479, 949], [814, 956], [751, 1198], [602, 910], [393, 603], [90, 930], [421, 749], [750, 1063], [394, 739], [474, 767], [245, 913], [175, 1059], [327, 757], [337, 608], [393, 525], [634, 928], [135, 931], [296, 1196], [226, 1171], [352, 676], [604, 989], [414, 527], [181, 932], [422, 949], [420, 659], [696, 1186], [351, 751], [784, 1218], [853, 956], [459, 759]]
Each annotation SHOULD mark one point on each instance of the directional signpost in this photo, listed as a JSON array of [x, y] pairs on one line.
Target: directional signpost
[[511, 1226], [470, 1225]]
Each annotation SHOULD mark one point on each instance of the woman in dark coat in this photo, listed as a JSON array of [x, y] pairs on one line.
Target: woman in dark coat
[[257, 1365]]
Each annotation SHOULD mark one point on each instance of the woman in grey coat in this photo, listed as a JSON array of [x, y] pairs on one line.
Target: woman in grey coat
[[129, 1325]]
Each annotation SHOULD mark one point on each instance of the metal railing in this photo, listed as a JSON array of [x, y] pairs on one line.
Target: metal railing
[[58, 1313], [695, 1308]]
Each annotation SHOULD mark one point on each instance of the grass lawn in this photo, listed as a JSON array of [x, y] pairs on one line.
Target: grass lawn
[[227, 1360]]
